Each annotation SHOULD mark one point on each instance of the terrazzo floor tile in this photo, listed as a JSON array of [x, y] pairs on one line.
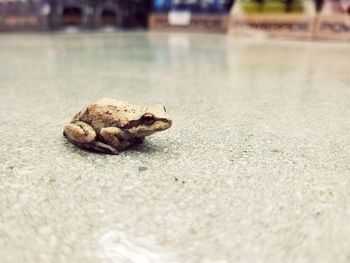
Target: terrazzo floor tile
[[256, 167]]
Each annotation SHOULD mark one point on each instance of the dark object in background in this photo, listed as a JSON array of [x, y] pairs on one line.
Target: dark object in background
[[125, 14], [136, 13], [319, 4], [289, 6], [215, 6], [120, 13], [25, 15], [107, 13], [70, 14]]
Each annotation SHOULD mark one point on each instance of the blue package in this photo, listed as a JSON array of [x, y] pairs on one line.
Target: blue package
[[193, 6], [162, 5]]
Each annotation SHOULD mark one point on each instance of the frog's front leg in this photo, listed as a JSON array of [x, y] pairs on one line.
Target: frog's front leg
[[113, 136], [83, 135]]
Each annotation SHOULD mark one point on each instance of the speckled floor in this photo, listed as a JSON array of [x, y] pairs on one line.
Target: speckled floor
[[255, 169]]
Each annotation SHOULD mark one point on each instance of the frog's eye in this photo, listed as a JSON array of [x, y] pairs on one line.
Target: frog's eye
[[148, 119]]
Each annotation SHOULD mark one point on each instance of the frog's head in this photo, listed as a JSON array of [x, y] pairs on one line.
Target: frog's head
[[153, 119]]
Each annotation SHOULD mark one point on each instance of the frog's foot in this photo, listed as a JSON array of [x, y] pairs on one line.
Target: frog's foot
[[102, 147], [113, 136], [83, 135]]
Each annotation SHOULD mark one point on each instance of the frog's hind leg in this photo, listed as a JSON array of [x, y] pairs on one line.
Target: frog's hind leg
[[114, 136], [83, 135], [79, 132]]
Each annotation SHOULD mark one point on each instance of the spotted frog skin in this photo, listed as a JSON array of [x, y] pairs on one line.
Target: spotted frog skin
[[110, 126]]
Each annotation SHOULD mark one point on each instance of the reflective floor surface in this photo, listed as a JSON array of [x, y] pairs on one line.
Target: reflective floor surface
[[256, 167]]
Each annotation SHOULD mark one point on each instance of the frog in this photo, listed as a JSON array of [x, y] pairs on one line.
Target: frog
[[109, 126]]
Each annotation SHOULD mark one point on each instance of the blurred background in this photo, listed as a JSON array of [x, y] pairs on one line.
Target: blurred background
[[310, 19]]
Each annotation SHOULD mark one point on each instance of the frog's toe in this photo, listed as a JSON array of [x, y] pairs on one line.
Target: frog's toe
[[104, 148]]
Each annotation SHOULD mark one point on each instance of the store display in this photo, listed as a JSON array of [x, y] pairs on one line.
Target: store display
[[195, 15], [276, 18], [298, 19], [333, 21], [79, 14], [24, 15]]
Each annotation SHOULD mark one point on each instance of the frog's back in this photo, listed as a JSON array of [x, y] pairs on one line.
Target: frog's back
[[107, 112]]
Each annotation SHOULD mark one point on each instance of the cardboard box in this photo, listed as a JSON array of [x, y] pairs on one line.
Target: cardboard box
[[185, 21], [289, 25], [333, 22], [24, 15], [36, 15], [273, 18]]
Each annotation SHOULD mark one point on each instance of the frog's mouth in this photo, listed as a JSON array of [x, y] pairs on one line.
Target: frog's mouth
[[157, 126], [162, 124], [146, 130]]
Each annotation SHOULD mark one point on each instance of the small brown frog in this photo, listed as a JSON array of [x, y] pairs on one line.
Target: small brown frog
[[110, 126]]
